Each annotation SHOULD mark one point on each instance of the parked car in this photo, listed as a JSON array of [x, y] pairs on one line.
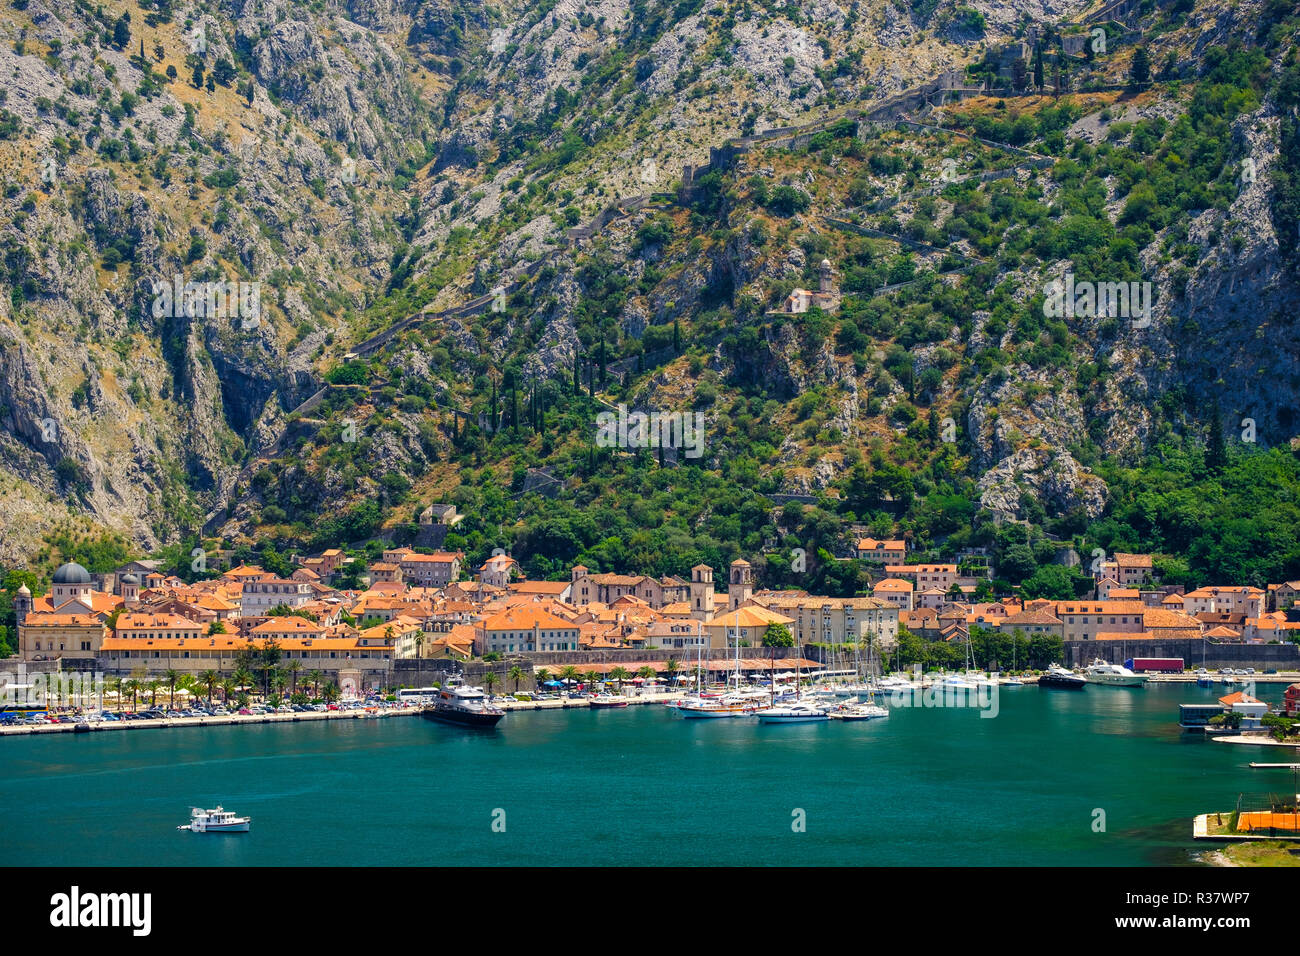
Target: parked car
[[332, 707], [245, 712], [1271, 670]]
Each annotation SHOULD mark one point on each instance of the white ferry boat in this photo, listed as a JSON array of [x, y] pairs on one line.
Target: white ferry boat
[[215, 821]]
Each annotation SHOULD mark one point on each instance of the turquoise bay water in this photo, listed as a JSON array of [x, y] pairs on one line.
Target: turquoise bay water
[[640, 785]]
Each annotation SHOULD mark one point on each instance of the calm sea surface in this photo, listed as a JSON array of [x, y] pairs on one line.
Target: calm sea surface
[[640, 785]]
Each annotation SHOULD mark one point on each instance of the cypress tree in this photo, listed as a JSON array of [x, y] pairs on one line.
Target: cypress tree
[[1140, 70], [1216, 452]]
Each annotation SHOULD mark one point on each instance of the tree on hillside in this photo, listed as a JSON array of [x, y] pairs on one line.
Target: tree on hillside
[[1140, 69], [1216, 452], [122, 31], [223, 71], [1054, 582]]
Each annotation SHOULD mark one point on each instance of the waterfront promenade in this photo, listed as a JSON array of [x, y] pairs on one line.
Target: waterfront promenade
[[69, 724]]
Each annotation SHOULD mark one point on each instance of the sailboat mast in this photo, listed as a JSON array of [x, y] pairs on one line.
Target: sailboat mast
[[699, 661]]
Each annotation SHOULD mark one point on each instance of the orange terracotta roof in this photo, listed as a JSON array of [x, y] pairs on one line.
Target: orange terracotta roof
[[1161, 618], [1240, 697], [540, 587], [893, 585], [525, 617], [441, 557], [871, 544], [53, 619], [1031, 617], [749, 616], [148, 621]]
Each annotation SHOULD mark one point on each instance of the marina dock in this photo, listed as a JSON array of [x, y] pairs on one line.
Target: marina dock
[[70, 727]]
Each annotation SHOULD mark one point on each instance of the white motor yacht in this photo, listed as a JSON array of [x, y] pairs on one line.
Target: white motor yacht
[[1113, 675], [799, 713], [215, 821], [867, 711]]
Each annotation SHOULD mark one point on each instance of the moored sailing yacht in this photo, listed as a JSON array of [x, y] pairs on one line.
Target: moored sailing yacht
[[730, 705]]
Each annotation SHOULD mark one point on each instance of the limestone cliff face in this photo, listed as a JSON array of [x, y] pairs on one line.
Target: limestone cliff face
[[110, 406]]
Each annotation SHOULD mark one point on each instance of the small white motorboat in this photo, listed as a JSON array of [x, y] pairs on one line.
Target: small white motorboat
[[865, 711], [215, 821]]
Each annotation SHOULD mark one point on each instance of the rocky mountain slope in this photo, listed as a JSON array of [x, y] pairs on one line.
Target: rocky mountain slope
[[362, 163]]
